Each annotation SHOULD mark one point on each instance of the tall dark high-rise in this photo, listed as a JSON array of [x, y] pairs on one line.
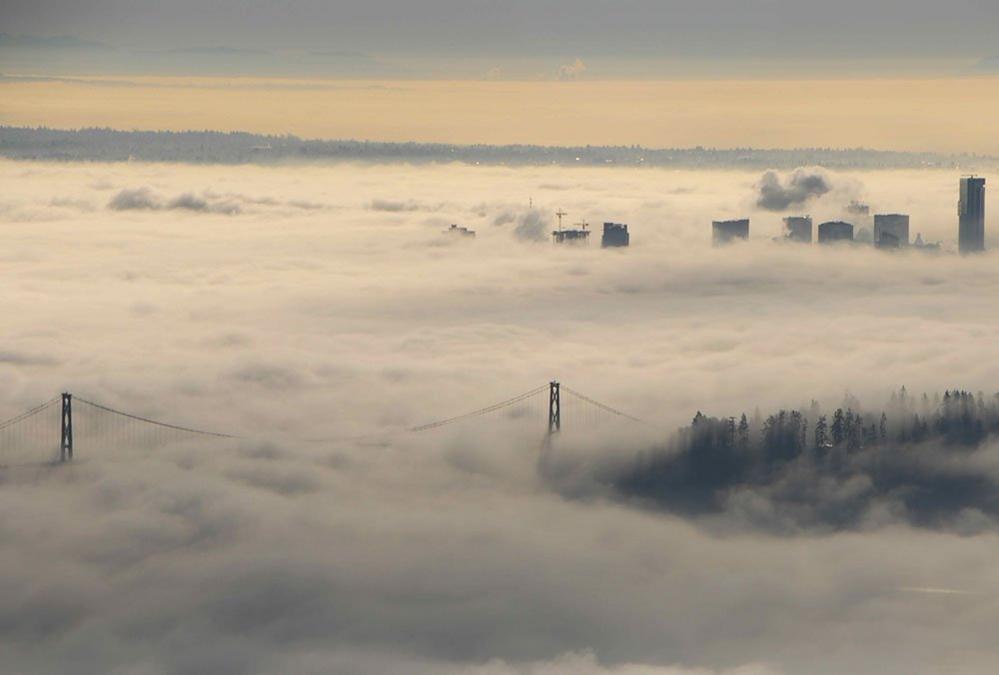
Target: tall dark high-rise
[[726, 231], [971, 214], [615, 234], [891, 230]]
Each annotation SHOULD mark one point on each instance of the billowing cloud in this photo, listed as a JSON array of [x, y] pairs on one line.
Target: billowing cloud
[[144, 199], [801, 186], [193, 202], [398, 206], [134, 199], [528, 224]]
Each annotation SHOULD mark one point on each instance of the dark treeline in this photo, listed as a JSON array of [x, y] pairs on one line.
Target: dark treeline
[[109, 145], [920, 459]]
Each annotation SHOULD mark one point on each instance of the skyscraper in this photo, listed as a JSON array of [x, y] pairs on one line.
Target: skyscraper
[[725, 231], [891, 230], [834, 231], [798, 228], [971, 215], [615, 234]]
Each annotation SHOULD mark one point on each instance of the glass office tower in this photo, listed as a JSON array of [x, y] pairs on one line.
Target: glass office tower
[[971, 214]]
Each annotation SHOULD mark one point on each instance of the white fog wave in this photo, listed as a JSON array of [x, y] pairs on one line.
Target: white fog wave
[[332, 305]]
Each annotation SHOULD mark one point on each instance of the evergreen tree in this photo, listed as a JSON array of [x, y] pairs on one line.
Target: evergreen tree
[[870, 435], [837, 427], [854, 430], [820, 434], [743, 432]]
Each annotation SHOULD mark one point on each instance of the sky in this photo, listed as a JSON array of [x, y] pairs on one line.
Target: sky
[[893, 75], [903, 114], [519, 38], [296, 304]]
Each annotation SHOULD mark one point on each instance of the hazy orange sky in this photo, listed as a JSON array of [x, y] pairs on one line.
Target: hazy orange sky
[[944, 114]]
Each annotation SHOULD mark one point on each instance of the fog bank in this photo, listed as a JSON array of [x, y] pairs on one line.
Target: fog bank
[[330, 304]]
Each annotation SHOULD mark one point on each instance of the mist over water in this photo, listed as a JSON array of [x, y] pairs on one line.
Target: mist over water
[[289, 305]]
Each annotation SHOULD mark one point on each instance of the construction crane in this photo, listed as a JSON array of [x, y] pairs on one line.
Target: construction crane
[[560, 213]]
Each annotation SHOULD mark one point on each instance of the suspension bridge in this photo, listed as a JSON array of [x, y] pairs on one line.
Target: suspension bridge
[[57, 430]]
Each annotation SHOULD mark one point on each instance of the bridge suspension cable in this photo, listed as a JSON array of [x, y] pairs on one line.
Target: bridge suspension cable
[[32, 435], [30, 413], [606, 408], [146, 420], [481, 411], [109, 426]]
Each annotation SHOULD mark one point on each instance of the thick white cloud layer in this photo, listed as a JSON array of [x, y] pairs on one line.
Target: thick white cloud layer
[[327, 302]]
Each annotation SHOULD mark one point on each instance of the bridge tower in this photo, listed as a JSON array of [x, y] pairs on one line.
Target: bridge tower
[[66, 437], [554, 408]]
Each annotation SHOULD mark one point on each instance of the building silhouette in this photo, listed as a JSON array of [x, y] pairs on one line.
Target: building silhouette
[[457, 231], [891, 230], [835, 230], [577, 235], [798, 228], [971, 215], [725, 231], [615, 234], [888, 241]]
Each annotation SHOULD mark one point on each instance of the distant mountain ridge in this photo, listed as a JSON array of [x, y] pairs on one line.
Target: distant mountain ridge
[[218, 147]]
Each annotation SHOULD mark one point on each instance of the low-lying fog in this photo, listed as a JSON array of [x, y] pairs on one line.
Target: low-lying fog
[[294, 304]]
